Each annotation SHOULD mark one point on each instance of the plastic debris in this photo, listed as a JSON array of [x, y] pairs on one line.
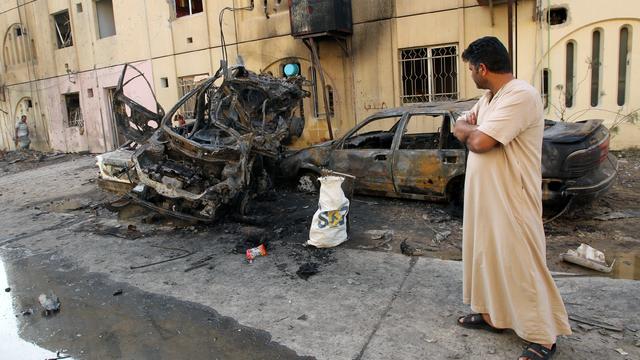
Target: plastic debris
[[255, 252], [50, 303], [588, 257], [622, 352]]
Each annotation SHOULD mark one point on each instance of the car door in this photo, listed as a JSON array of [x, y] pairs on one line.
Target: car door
[[366, 153], [134, 105], [423, 163]]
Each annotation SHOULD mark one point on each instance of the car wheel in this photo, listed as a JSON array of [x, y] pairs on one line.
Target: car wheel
[[308, 183]]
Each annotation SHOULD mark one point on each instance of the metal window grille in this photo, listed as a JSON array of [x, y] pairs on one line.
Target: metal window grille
[[186, 84], [429, 74], [74, 113]]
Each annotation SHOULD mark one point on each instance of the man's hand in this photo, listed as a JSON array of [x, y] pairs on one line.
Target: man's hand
[[468, 134], [472, 118]]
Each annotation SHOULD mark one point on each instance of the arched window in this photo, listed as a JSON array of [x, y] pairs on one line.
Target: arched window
[[570, 74], [16, 48], [596, 66], [330, 95], [623, 63]]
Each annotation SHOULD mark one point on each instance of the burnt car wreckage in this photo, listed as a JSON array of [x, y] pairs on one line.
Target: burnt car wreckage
[[215, 162], [234, 150], [410, 152]]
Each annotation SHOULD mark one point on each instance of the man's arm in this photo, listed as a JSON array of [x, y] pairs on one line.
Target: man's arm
[[476, 140], [16, 138]]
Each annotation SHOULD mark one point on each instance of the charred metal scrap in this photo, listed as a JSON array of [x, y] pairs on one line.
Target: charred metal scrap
[[220, 159]]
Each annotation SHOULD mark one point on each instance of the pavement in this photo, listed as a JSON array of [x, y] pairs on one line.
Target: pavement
[[361, 305]]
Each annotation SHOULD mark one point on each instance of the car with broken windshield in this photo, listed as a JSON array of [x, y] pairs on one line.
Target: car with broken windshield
[[410, 152]]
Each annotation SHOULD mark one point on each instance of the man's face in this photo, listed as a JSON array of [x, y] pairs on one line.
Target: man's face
[[478, 74], [24, 119]]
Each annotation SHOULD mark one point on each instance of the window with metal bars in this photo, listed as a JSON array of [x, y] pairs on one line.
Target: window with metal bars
[[429, 74], [186, 84], [74, 113]]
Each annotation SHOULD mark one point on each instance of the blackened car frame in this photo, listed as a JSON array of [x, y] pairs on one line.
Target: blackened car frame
[[410, 152], [218, 160]]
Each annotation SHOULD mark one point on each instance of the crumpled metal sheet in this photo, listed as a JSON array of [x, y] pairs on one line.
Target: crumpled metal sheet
[[220, 160]]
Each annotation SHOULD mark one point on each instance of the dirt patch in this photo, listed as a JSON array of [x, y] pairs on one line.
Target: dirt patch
[[22, 160]]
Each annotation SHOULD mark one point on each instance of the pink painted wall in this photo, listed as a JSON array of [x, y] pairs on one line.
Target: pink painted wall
[[97, 135]]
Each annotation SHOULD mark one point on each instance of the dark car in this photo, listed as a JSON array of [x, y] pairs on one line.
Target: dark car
[[410, 152]]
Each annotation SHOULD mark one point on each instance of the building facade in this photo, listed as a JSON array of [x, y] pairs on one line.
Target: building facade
[[61, 59]]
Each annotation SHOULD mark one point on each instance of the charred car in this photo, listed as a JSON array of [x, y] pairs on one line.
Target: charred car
[[219, 157], [410, 152]]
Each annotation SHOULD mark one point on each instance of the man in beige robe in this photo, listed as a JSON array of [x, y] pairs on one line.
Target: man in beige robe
[[506, 279]]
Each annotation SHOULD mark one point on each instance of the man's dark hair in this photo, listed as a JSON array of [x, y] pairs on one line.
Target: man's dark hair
[[489, 51]]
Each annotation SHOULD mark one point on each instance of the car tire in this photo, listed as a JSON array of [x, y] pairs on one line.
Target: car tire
[[308, 183]]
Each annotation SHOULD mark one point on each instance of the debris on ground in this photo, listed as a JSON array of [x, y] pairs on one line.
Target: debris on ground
[[200, 263], [413, 248], [617, 215], [20, 160], [595, 323], [60, 354], [622, 352], [118, 292], [303, 317], [306, 270], [185, 253], [50, 303], [253, 253], [7, 289], [383, 237], [27, 312], [588, 257]]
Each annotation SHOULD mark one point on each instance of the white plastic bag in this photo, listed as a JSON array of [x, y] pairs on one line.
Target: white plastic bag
[[329, 224]]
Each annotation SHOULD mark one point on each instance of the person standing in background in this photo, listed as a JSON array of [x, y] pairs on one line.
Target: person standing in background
[[22, 134]]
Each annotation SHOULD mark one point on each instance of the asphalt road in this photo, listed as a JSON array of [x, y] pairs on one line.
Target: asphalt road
[[361, 305]]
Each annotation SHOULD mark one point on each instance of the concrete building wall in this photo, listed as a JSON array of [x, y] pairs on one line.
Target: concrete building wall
[[365, 80]]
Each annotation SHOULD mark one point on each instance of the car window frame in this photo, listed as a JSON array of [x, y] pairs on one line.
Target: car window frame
[[402, 115]]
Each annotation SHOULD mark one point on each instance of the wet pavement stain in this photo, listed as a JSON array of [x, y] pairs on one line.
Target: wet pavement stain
[[94, 324], [627, 265]]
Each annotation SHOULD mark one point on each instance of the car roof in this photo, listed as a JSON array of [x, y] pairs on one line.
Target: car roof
[[436, 106]]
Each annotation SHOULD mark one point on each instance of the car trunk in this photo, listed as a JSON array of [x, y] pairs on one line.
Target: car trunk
[[571, 150]]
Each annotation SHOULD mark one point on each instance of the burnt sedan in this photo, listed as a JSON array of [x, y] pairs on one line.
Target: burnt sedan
[[410, 152]]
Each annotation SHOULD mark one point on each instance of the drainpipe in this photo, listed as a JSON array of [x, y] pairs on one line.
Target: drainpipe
[[510, 29]]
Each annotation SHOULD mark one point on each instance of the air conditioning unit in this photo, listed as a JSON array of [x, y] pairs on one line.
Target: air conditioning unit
[[316, 18]]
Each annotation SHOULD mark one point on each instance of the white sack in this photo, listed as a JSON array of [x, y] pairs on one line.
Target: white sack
[[329, 224]]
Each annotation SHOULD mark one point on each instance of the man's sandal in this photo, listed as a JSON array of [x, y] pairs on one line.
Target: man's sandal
[[476, 321], [538, 352]]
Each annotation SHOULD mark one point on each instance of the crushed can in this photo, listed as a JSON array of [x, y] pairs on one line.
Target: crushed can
[[255, 252]]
